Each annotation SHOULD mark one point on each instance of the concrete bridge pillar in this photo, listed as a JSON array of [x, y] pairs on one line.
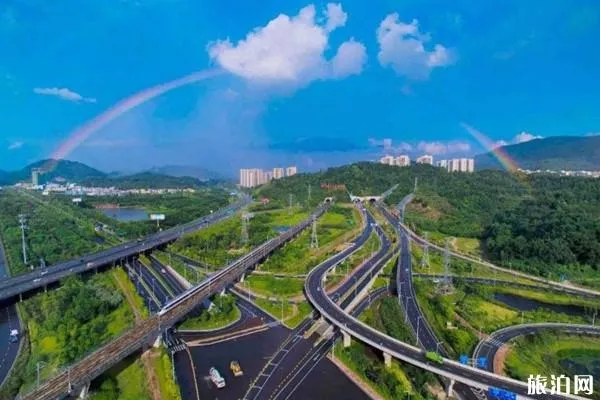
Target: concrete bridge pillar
[[222, 292], [242, 277], [346, 339], [84, 391], [157, 342], [334, 269], [325, 278], [450, 389], [387, 359]]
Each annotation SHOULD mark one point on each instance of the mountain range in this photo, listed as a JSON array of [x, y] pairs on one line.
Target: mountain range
[[552, 153], [73, 171]]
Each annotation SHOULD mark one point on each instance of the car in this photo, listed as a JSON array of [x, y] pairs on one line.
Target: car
[[36, 280], [163, 271], [235, 368], [44, 272]]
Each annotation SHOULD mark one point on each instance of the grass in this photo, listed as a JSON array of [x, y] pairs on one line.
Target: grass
[[217, 320], [136, 301], [297, 257], [304, 310], [275, 308], [484, 315], [164, 372], [126, 381], [271, 286], [547, 354]]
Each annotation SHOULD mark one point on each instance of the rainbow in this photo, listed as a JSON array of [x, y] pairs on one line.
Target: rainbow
[[82, 133], [499, 153]]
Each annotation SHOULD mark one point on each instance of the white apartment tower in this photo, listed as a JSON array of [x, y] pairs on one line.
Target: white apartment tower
[[389, 160], [402, 161], [425, 159], [278, 173], [289, 171]]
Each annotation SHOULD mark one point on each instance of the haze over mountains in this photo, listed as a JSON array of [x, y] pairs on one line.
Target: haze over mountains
[[74, 171], [552, 153]]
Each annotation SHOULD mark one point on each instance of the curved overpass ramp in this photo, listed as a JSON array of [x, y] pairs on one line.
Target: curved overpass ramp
[[490, 346]]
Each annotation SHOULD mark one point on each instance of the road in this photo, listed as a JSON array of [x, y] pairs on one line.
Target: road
[[9, 320], [403, 351], [489, 347], [297, 357], [15, 286], [90, 367]]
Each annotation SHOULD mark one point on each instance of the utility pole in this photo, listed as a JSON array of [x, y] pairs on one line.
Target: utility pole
[[415, 188], [22, 221], [314, 240], [244, 228], [309, 190], [290, 197]]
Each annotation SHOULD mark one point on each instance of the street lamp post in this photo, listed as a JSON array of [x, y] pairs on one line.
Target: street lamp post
[[38, 365]]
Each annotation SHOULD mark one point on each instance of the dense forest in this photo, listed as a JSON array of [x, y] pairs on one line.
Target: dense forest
[[533, 222]]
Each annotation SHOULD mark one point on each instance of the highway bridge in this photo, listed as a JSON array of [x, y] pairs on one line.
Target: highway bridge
[[392, 348], [562, 286], [290, 365], [15, 287], [489, 347], [83, 372]]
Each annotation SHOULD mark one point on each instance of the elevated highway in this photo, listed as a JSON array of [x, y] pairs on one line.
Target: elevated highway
[[565, 287], [392, 348], [16, 286], [83, 372], [490, 346]]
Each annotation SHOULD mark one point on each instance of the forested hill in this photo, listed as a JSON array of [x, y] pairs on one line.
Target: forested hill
[[553, 153], [534, 222], [72, 171], [146, 180]]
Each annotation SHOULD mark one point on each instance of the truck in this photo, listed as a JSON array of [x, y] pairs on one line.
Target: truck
[[235, 368], [435, 357], [216, 378]]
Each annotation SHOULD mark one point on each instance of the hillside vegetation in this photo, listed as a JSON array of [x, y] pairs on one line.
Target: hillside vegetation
[[542, 224]]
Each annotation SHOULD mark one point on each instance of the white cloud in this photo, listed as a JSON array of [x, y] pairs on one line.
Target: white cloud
[[16, 145], [335, 16], [459, 147], [500, 143], [432, 147], [525, 137], [402, 47], [592, 134], [437, 147], [64, 94], [290, 50]]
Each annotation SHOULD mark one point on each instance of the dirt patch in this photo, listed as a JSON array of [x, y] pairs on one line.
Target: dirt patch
[[130, 301], [153, 386], [499, 359], [418, 207]]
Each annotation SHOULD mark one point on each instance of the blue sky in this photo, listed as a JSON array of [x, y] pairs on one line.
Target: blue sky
[[311, 83]]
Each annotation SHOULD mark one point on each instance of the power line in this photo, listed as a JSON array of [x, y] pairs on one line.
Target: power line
[[314, 240], [22, 222]]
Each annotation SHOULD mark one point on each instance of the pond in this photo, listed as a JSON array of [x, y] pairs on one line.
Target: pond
[[126, 214], [524, 304]]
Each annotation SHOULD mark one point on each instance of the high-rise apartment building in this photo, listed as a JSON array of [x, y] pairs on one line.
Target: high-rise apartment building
[[389, 160], [458, 165], [402, 161], [289, 171], [251, 177], [425, 159]]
